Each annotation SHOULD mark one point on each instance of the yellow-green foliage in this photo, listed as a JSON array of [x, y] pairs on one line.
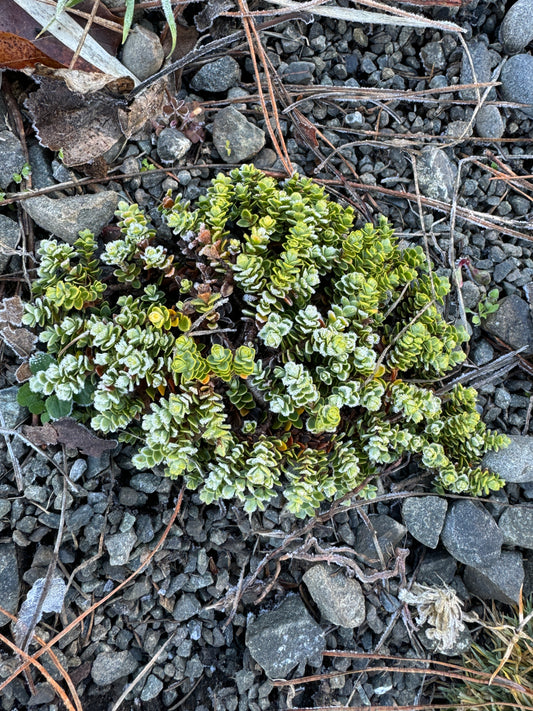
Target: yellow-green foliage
[[270, 347]]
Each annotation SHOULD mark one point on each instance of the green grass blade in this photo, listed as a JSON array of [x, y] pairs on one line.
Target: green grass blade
[[171, 21], [128, 18]]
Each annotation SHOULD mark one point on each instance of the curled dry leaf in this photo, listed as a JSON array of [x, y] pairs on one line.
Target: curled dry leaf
[[85, 114]]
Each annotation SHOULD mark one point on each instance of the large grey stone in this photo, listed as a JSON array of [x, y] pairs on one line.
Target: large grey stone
[[172, 145], [282, 638], [512, 322], [501, 580], [388, 532], [9, 581], [424, 518], [516, 30], [236, 139], [11, 158], [471, 535], [217, 76], [515, 463], [489, 122], [435, 174], [110, 666], [517, 81], [9, 237], [339, 599], [65, 217], [516, 524]]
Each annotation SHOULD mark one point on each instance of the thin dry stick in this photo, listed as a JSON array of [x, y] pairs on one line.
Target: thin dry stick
[[61, 669], [85, 32], [89, 610], [249, 28]]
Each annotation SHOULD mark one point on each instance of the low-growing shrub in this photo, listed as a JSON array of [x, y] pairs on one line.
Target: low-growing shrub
[[270, 347]]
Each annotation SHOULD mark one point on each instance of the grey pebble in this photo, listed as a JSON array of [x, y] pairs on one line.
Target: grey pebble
[[187, 606], [471, 535], [389, 533], [110, 666], [339, 599], [142, 53], [78, 469], [516, 524], [9, 581], [479, 54], [499, 581], [280, 639], [489, 122], [217, 76], [424, 518], [9, 237], [437, 568], [512, 323], [172, 145], [119, 547], [65, 217], [433, 57], [152, 688], [298, 73], [236, 139], [516, 30], [435, 174], [517, 81], [12, 412], [11, 158]]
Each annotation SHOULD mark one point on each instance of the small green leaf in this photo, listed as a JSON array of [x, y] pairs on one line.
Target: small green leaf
[[57, 408], [171, 21], [31, 400], [85, 396], [40, 361], [128, 19]]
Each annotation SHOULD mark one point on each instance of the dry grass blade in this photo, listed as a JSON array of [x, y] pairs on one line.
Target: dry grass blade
[[61, 669], [397, 17]]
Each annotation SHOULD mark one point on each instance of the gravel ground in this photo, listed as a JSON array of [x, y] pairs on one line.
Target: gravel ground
[[175, 623]]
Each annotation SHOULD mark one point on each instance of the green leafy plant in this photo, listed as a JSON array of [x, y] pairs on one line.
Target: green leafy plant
[[270, 348], [24, 173], [486, 306]]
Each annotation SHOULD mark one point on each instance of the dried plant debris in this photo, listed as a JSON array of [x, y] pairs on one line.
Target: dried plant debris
[[40, 600], [441, 609], [17, 338], [70, 433]]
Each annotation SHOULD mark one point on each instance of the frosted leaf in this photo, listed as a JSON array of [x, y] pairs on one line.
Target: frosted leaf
[[53, 602]]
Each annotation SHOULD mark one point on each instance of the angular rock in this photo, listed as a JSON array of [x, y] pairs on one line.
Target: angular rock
[[389, 533], [13, 413], [9, 581], [65, 217], [298, 73], [119, 547], [172, 145], [471, 535], [110, 666], [500, 581], [282, 638], [437, 568], [432, 56], [435, 174], [424, 518], [516, 524], [217, 76], [512, 322], [516, 30], [236, 139], [339, 599], [142, 53], [9, 237], [11, 158], [187, 606], [152, 688], [515, 463], [517, 81]]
